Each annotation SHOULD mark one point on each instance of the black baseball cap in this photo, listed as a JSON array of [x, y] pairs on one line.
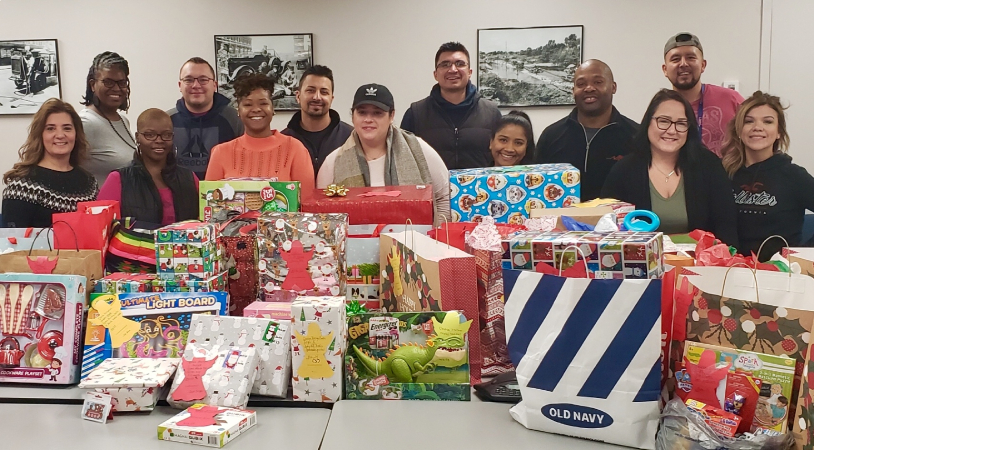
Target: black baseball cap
[[374, 94], [682, 40]]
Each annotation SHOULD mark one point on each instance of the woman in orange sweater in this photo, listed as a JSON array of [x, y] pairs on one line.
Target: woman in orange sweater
[[261, 151]]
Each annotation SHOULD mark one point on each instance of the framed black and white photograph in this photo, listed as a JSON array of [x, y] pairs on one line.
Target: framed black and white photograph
[[529, 66], [281, 56], [29, 75]]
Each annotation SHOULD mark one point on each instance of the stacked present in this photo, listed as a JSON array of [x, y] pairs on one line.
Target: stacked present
[[126, 283], [188, 250], [301, 254], [614, 255], [508, 194]]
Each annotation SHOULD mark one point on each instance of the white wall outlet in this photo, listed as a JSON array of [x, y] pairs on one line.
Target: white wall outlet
[[734, 85]]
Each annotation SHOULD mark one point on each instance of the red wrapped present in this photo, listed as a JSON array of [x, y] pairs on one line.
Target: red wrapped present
[[375, 205]]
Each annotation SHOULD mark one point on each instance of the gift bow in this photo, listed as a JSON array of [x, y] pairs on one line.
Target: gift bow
[[334, 190], [485, 236], [355, 307], [383, 194]]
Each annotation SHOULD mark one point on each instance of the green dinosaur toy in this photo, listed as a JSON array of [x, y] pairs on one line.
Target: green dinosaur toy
[[446, 348]]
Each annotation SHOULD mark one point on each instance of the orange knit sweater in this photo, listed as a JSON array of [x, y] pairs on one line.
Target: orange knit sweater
[[277, 155]]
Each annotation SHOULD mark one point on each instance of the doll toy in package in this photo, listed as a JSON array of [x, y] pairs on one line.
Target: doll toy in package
[[301, 254], [318, 339], [188, 249], [220, 197], [41, 317], [207, 425], [508, 194], [148, 325], [216, 374], [408, 356], [270, 338], [134, 384]]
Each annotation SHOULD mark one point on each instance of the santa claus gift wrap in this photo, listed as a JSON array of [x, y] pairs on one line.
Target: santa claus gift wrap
[[319, 334], [133, 383], [301, 254]]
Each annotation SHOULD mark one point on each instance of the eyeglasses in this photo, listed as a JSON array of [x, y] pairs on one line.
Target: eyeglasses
[[109, 83], [200, 80], [445, 65], [150, 136], [664, 123]]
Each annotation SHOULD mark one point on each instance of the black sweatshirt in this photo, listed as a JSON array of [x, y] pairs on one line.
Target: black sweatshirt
[[772, 197]]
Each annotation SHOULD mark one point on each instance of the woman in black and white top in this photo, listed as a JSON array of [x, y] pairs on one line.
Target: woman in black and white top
[[108, 132], [48, 179]]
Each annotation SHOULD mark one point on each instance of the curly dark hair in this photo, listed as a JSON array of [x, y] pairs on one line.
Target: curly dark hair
[[105, 60], [246, 84]]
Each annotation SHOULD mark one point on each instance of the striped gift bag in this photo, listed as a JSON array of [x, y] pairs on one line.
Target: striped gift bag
[[587, 355]]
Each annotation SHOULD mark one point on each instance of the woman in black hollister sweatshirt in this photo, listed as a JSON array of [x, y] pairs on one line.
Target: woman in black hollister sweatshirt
[[772, 194]]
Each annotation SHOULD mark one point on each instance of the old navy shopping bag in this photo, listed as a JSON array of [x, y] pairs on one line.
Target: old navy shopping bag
[[587, 355]]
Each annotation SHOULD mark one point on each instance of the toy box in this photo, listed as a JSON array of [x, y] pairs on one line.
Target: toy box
[[188, 249], [217, 198], [776, 374], [207, 425], [615, 255], [163, 319], [215, 374], [134, 384], [377, 205], [41, 317], [408, 356], [269, 310], [318, 340], [270, 338], [508, 194], [126, 283], [301, 254], [720, 421]]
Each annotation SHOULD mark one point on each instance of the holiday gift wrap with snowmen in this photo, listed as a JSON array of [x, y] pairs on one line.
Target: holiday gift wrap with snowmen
[[508, 194], [133, 384], [318, 339], [215, 373], [270, 337], [301, 254]]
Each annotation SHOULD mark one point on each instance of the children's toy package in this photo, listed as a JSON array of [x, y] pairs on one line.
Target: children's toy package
[[149, 325], [134, 384], [318, 340], [508, 194], [207, 425], [409, 356], [270, 338], [216, 374], [41, 317], [220, 197]]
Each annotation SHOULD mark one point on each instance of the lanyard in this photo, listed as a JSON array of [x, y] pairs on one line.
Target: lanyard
[[701, 105]]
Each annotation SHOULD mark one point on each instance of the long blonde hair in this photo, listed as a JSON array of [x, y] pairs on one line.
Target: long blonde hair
[[33, 150], [735, 151]]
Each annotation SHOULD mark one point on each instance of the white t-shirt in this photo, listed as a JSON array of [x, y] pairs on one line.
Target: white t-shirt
[[376, 176], [111, 145]]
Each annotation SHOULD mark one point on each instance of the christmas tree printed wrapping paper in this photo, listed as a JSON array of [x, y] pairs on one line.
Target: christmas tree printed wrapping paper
[[318, 339], [133, 384], [301, 254], [272, 338]]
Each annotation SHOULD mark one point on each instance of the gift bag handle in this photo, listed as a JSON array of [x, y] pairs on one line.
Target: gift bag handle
[[48, 236], [755, 261], [584, 260], [753, 271], [447, 235]]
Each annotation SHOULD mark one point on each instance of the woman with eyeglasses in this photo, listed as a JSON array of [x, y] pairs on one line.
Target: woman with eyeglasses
[[261, 152], [672, 174], [48, 178], [154, 190], [108, 132], [772, 194]]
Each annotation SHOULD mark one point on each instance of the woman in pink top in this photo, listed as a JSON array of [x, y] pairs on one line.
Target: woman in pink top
[[261, 152], [154, 190]]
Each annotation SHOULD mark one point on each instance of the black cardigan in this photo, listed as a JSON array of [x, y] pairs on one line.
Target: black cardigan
[[707, 192]]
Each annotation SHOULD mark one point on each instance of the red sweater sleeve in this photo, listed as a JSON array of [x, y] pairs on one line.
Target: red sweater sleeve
[[112, 188], [302, 169]]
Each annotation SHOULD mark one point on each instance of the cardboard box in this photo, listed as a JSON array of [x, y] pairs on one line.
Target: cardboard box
[[508, 194], [620, 208], [271, 338], [407, 356], [188, 249], [615, 255], [228, 423], [40, 327], [134, 384], [301, 254], [217, 198], [269, 310], [318, 339]]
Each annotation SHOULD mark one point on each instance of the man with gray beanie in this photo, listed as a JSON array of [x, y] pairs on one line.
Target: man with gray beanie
[[683, 63]]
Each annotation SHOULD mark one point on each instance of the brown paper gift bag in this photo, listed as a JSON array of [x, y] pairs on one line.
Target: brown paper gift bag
[[61, 262]]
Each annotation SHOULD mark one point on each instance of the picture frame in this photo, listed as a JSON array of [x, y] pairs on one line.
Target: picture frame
[[29, 75], [283, 56], [521, 67]]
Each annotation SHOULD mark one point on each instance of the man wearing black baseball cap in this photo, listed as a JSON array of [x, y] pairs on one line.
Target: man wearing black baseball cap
[[379, 153], [683, 63]]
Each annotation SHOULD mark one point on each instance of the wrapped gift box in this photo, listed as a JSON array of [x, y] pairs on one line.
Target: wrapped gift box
[[269, 337], [617, 255], [220, 197], [319, 334], [188, 249], [211, 428], [40, 327], [181, 283], [126, 283], [122, 283], [377, 205], [508, 194], [216, 374], [269, 310], [134, 384], [301, 254], [408, 356]]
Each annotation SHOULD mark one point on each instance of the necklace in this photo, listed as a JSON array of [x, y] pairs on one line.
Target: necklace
[[132, 145], [666, 179]]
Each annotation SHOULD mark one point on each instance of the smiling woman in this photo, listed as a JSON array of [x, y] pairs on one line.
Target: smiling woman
[[108, 132], [261, 151]]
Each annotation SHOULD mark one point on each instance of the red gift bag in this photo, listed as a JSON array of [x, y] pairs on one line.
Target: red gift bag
[[89, 227], [238, 238]]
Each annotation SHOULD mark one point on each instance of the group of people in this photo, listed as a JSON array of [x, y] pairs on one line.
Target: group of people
[[733, 178]]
